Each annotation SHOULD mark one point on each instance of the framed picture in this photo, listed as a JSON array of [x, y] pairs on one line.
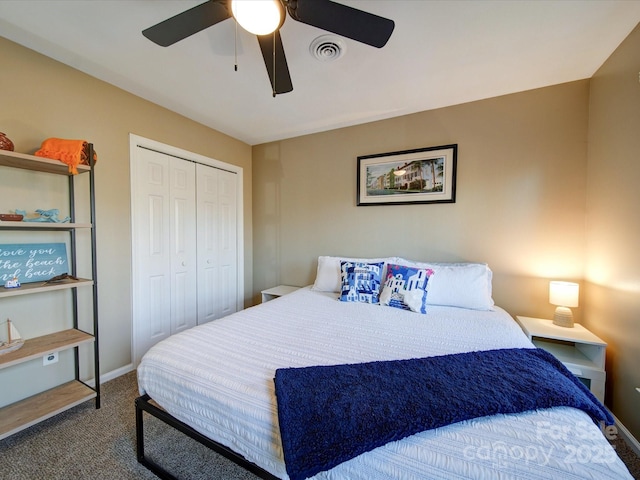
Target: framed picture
[[423, 175]]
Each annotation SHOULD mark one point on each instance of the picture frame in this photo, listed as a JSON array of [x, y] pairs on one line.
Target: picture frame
[[421, 175]]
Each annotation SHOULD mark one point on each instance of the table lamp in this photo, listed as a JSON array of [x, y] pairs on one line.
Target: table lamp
[[564, 295]]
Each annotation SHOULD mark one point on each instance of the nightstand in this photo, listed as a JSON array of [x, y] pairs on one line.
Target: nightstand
[[582, 352], [276, 292]]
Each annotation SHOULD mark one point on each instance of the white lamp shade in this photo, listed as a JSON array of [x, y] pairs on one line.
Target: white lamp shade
[[564, 294], [260, 17]]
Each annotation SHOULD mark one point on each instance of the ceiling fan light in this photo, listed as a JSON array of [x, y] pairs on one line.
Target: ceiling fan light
[[260, 17]]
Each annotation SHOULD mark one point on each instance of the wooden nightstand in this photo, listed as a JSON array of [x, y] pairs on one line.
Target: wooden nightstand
[[276, 292], [582, 352]]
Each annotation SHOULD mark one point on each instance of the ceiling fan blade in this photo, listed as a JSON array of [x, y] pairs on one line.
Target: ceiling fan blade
[[349, 22], [281, 77], [187, 23]]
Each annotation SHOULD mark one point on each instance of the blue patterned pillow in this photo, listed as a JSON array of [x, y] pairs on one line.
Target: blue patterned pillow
[[360, 281], [406, 288]]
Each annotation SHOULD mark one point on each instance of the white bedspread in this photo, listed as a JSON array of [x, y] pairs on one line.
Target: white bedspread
[[218, 378]]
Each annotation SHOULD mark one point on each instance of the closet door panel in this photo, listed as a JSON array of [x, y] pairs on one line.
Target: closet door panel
[[208, 243], [158, 318], [228, 249], [183, 245], [152, 282]]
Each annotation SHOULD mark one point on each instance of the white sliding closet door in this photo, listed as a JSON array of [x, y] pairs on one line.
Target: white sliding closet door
[[217, 243], [186, 228], [165, 247]]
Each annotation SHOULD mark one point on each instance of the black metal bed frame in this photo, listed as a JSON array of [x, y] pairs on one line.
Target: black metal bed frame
[[143, 404]]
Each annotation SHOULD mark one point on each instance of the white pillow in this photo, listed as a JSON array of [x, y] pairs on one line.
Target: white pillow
[[329, 277], [464, 285]]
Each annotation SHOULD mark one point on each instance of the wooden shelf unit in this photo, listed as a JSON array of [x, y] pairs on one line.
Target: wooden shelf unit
[[42, 226], [39, 346], [38, 287], [29, 411], [37, 164]]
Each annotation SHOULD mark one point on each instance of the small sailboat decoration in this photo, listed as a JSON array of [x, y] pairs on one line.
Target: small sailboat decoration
[[14, 340]]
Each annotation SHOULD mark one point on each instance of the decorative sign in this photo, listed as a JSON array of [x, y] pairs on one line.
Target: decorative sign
[[32, 262]]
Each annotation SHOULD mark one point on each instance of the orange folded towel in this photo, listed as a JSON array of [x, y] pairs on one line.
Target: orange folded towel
[[71, 152]]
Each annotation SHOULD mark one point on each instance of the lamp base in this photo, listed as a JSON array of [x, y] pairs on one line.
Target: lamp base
[[563, 317]]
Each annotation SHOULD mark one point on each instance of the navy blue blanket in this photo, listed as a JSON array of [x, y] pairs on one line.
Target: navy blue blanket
[[330, 414]]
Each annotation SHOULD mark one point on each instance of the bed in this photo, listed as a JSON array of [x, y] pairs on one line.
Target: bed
[[217, 380]]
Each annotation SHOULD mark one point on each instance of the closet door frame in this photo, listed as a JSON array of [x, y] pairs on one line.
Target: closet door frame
[[136, 141]]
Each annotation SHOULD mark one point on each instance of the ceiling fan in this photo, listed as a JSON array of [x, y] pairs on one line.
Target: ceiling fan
[[334, 17]]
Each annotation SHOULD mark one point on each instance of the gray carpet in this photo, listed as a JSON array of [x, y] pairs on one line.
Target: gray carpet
[[100, 444]]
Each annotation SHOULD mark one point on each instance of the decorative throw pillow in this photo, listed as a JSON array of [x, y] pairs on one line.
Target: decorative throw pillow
[[406, 287], [360, 281]]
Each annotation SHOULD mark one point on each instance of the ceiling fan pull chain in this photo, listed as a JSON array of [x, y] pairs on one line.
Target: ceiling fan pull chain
[[274, 65], [235, 47]]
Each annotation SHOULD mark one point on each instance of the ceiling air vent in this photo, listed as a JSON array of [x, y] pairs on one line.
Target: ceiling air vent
[[327, 48]]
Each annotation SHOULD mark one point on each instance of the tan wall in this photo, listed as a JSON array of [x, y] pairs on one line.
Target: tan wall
[[43, 98], [613, 226], [520, 195]]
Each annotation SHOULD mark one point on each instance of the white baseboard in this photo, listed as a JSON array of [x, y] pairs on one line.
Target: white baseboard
[[105, 377], [626, 436]]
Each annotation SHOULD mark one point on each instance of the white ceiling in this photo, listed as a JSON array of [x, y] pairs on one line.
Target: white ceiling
[[441, 53]]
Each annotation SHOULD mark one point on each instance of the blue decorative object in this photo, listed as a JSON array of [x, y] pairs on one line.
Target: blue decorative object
[[12, 283], [330, 414], [47, 216], [360, 281], [406, 288]]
